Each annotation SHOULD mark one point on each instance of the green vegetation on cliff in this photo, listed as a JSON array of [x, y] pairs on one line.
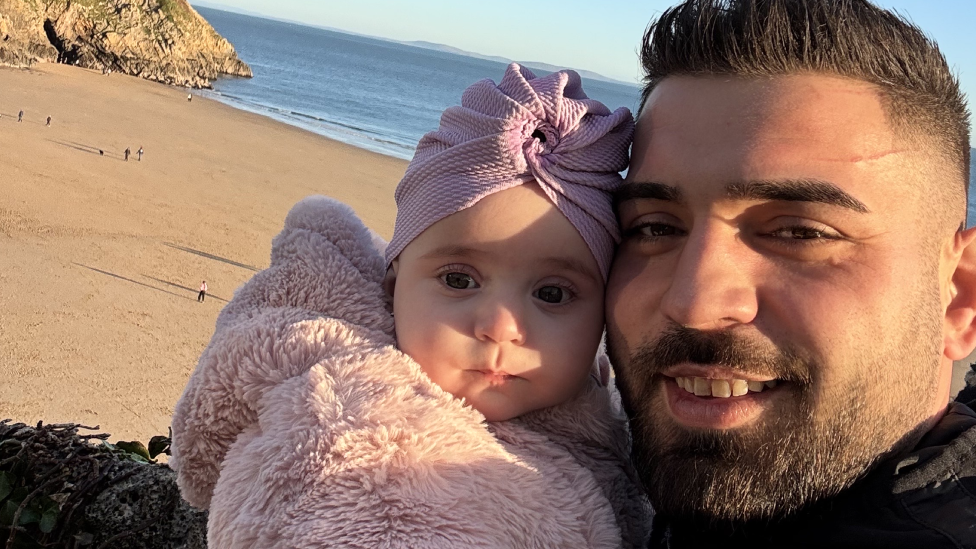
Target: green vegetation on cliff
[[60, 487]]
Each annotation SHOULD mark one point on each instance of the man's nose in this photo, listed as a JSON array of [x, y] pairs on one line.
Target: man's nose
[[712, 286], [500, 322]]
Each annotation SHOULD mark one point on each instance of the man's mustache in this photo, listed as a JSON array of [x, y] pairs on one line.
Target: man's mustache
[[681, 345]]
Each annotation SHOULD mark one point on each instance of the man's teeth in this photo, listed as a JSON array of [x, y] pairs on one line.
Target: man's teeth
[[722, 388]]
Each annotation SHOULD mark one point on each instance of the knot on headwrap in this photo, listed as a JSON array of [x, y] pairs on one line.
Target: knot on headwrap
[[521, 130]]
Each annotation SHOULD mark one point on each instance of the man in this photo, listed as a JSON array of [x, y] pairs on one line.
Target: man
[[795, 280], [202, 296]]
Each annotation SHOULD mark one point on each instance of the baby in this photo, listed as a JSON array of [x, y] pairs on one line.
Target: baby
[[477, 415]]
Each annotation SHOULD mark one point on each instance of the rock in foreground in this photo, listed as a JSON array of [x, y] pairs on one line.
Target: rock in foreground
[[162, 40], [60, 488]]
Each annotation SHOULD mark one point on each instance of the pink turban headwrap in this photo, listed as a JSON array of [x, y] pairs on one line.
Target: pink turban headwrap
[[522, 130]]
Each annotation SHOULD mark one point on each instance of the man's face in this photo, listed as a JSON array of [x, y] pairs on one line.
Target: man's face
[[775, 310]]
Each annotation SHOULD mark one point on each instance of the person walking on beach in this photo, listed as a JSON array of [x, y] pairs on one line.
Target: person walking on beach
[[127, 152], [139, 153], [189, 97], [20, 116], [202, 296], [48, 121]]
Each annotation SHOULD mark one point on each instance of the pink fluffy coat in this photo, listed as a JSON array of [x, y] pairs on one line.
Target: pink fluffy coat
[[304, 426]]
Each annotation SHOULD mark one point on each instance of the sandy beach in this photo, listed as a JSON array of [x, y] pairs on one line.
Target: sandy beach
[[101, 259]]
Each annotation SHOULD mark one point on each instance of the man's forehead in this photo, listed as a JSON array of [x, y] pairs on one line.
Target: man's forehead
[[809, 127], [821, 109]]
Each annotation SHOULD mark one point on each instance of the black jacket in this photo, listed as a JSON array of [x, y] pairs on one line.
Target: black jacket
[[925, 498]]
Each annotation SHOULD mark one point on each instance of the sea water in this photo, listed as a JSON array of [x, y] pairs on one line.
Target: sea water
[[374, 94], [371, 93]]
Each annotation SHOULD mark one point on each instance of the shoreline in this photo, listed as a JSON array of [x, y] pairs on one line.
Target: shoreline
[[101, 258], [357, 137]]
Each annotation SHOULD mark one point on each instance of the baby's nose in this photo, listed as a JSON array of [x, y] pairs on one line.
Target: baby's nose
[[500, 323]]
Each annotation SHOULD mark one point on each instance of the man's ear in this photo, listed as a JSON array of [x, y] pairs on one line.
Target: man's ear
[[389, 281], [959, 329]]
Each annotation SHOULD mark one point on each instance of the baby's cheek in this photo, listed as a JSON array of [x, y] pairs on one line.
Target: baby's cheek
[[430, 346], [570, 353]]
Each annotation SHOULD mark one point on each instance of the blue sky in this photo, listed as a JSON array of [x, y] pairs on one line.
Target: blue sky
[[601, 36]]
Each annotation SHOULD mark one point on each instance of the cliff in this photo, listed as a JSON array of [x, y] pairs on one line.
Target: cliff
[[162, 40]]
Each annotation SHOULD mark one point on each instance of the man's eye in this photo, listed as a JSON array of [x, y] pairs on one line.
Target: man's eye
[[804, 233], [654, 230], [459, 281], [552, 294]]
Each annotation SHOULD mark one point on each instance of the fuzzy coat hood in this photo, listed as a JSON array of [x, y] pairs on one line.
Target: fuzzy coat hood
[[304, 426]]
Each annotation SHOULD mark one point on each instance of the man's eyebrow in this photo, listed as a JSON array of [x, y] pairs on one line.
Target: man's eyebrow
[[796, 190], [655, 191], [793, 190]]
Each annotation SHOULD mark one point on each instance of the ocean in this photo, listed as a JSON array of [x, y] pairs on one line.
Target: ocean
[[370, 93]]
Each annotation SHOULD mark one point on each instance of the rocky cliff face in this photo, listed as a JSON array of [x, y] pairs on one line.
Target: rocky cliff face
[[162, 40]]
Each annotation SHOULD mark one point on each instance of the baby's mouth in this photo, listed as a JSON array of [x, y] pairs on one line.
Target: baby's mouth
[[722, 388], [495, 377]]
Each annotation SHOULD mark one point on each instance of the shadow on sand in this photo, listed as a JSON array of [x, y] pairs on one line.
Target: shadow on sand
[[12, 117], [187, 288], [133, 281], [211, 256], [84, 148]]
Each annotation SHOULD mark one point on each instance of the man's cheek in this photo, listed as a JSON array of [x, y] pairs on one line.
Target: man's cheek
[[633, 308]]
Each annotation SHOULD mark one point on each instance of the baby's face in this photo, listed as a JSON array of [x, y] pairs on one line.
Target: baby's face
[[501, 304]]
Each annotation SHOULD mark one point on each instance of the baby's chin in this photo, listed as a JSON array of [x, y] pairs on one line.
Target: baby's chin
[[505, 399], [495, 414], [495, 407]]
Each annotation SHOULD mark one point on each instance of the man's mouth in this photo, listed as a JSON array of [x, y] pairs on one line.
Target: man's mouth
[[722, 388], [722, 400]]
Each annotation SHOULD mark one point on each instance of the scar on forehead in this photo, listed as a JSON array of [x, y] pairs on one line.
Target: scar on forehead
[[864, 158]]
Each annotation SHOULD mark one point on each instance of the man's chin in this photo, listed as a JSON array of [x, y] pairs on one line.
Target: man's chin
[[738, 463], [721, 476]]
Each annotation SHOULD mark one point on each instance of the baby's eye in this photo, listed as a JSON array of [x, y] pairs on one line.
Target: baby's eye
[[552, 294], [459, 281]]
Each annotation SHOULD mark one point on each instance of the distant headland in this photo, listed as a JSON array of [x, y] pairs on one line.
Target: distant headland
[[537, 65], [161, 40]]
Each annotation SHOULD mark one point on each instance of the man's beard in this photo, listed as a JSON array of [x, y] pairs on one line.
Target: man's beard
[[815, 449]]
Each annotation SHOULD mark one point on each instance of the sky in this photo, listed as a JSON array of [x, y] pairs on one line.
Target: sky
[[601, 36]]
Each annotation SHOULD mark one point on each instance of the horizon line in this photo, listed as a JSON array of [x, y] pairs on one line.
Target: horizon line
[[591, 74]]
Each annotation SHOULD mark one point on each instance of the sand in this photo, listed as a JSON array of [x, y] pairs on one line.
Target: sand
[[100, 259]]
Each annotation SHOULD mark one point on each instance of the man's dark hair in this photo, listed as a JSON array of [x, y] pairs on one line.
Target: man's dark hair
[[847, 38]]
